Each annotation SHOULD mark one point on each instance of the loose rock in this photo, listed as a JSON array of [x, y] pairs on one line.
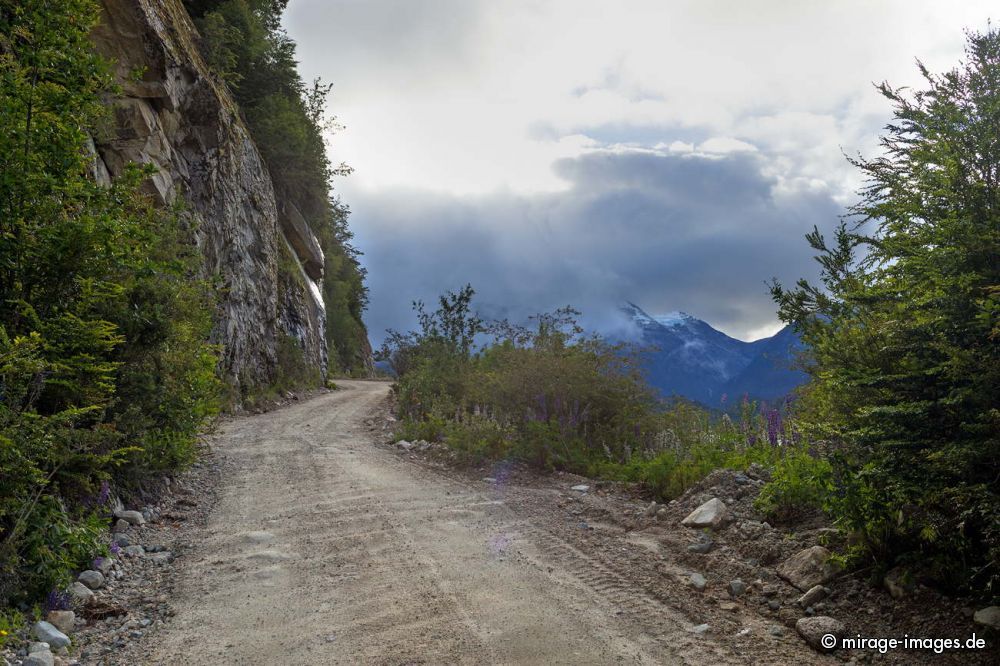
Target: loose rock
[[813, 629], [81, 592], [162, 557], [134, 551], [698, 581], [710, 514], [40, 658], [63, 620], [580, 488], [989, 616], [815, 593], [92, 579], [808, 568], [47, 633], [131, 517], [120, 526], [737, 588], [899, 583], [699, 629]]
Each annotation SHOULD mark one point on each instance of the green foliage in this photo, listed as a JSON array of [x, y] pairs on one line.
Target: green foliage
[[243, 42], [105, 375], [904, 332], [799, 483], [556, 399]]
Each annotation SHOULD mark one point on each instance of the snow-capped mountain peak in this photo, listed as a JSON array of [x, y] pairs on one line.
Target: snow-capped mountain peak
[[687, 356], [675, 318]]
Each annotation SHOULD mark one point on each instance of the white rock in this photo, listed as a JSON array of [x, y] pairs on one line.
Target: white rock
[[405, 445], [808, 568], [699, 629], [710, 514], [131, 517], [47, 633], [989, 616], [38, 646], [580, 488], [698, 581]]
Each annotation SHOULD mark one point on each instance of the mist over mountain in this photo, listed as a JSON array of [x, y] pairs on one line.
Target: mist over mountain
[[687, 357]]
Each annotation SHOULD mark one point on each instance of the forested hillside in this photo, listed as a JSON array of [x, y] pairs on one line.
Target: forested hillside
[[154, 269]]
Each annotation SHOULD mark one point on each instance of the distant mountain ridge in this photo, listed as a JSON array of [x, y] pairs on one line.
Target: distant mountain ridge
[[694, 360]]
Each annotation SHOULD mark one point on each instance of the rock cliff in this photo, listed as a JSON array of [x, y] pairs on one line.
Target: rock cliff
[[172, 114]]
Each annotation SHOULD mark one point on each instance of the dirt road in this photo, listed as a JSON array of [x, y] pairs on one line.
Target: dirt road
[[326, 548]]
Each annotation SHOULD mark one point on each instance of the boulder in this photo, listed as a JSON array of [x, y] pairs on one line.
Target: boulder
[[131, 517], [47, 633], [989, 616], [808, 568], [710, 514], [92, 579], [816, 632], [63, 620]]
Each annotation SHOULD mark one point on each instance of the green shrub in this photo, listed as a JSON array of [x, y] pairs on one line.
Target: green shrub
[[105, 373], [903, 333], [799, 483]]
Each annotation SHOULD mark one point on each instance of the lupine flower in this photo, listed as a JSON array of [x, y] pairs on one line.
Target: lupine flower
[[58, 600], [115, 548], [105, 494]]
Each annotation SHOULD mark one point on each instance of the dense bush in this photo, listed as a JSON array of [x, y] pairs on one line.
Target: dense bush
[[105, 375], [243, 43], [905, 334], [555, 398]]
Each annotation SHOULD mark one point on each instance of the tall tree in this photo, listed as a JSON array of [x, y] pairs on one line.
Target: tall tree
[[905, 330]]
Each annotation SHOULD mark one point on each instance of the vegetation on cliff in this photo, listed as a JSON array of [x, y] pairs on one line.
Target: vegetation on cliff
[[243, 42], [105, 375]]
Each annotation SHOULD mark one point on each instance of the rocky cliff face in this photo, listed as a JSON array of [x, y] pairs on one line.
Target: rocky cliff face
[[173, 115]]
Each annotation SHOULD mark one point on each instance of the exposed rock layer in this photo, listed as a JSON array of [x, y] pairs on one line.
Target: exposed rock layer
[[173, 115]]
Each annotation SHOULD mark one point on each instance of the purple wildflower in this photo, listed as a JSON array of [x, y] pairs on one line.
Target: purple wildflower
[[115, 548], [773, 426], [104, 494], [58, 600]]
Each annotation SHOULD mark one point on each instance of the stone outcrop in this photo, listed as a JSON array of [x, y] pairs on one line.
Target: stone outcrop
[[174, 115]]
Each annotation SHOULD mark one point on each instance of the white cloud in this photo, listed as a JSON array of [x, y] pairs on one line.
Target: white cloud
[[470, 100]]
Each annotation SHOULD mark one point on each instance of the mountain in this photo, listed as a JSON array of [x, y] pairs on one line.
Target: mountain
[[689, 358]]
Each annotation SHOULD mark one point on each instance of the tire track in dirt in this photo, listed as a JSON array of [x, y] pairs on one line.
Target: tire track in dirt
[[325, 548]]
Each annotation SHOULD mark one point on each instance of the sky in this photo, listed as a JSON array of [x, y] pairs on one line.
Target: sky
[[587, 153]]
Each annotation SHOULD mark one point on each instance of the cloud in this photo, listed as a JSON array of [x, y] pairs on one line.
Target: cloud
[[668, 230], [581, 151]]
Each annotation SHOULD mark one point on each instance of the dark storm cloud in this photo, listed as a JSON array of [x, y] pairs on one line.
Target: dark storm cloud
[[669, 231]]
